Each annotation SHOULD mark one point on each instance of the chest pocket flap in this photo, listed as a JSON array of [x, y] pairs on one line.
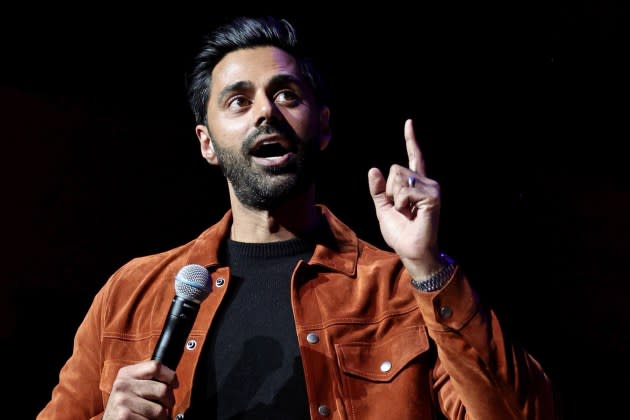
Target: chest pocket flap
[[381, 361]]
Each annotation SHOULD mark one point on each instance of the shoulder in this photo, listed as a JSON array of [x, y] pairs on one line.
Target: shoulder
[[153, 276], [143, 278], [144, 271]]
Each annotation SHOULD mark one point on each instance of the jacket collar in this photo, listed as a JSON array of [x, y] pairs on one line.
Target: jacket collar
[[337, 247]]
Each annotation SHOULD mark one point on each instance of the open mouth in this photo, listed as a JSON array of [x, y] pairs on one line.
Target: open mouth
[[270, 150], [273, 151]]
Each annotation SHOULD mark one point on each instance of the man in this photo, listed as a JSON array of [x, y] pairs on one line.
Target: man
[[304, 319]]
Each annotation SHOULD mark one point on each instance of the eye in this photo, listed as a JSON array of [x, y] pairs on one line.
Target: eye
[[237, 103], [287, 97]]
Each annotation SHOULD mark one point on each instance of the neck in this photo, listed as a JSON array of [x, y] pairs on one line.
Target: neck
[[292, 219]]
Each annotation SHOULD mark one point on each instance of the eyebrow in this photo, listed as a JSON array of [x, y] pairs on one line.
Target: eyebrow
[[234, 87], [284, 79], [276, 81]]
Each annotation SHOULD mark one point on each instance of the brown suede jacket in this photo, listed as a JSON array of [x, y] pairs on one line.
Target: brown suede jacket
[[373, 347]]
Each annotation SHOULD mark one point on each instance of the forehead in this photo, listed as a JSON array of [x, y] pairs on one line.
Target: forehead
[[254, 65]]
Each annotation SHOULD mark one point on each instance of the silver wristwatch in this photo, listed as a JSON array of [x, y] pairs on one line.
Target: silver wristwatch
[[439, 278]]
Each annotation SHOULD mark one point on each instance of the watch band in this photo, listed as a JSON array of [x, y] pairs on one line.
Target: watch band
[[439, 278]]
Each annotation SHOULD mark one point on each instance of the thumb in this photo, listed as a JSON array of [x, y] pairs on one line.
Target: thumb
[[376, 182]]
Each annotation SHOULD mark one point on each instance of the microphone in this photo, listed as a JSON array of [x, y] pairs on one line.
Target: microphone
[[192, 286]]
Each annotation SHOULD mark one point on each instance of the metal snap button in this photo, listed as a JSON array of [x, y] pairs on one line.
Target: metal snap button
[[312, 338], [386, 366], [323, 410], [446, 312], [191, 344], [219, 282]]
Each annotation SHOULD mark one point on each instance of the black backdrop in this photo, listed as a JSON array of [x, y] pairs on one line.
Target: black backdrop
[[521, 110]]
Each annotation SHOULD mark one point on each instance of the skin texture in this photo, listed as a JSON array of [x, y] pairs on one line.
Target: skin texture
[[257, 95], [143, 390], [408, 215], [250, 89]]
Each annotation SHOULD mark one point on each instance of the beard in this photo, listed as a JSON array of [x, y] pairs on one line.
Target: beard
[[267, 187]]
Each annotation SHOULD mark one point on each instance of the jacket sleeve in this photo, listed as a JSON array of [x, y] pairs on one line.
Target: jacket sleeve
[[479, 373], [77, 395]]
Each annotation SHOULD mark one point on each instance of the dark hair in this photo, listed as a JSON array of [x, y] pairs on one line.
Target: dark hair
[[241, 33]]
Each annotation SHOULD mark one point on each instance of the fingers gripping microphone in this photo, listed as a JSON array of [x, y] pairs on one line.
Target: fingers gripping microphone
[[192, 286]]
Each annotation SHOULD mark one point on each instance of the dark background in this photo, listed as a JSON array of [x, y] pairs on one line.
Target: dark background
[[521, 111]]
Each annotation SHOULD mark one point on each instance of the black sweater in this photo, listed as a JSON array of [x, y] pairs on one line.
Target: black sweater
[[251, 367]]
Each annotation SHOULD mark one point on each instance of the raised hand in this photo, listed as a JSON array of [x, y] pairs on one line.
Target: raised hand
[[408, 208]]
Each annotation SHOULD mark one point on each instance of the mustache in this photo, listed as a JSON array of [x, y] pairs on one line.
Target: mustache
[[280, 128]]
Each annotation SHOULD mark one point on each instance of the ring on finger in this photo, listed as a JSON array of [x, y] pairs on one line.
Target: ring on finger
[[411, 181]]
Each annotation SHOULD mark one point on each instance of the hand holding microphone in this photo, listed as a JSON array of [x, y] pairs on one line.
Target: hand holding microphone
[[192, 286], [146, 388]]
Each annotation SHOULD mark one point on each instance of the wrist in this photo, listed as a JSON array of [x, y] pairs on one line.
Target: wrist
[[439, 277]]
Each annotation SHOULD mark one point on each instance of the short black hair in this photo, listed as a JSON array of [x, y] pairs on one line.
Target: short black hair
[[241, 33]]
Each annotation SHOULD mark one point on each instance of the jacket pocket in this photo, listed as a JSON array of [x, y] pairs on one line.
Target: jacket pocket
[[387, 378], [381, 361]]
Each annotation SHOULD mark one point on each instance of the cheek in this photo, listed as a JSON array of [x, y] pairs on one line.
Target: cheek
[[228, 131], [302, 121]]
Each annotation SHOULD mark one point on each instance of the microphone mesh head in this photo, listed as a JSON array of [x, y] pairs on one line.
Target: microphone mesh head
[[192, 282]]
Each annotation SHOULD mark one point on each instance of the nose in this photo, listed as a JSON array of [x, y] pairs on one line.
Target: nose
[[266, 110]]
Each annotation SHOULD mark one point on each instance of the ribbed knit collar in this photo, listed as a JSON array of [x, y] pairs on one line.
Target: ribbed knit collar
[[286, 248]]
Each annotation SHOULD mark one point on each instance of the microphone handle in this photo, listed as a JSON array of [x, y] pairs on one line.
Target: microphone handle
[[177, 326]]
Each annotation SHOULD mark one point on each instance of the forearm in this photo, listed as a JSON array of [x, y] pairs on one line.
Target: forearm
[[479, 372]]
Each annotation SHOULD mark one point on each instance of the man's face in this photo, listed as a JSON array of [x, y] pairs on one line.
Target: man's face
[[265, 129]]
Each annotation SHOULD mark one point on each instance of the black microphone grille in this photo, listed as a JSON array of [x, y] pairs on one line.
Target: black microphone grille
[[192, 282]]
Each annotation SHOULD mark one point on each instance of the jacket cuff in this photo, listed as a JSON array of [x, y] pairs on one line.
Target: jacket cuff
[[451, 307]]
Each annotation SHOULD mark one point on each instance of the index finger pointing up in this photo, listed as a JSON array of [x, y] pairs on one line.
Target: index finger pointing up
[[416, 162]]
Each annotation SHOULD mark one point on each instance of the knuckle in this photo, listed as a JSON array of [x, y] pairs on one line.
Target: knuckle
[[161, 389], [119, 385]]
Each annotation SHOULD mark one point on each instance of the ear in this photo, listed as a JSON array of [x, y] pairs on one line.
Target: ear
[[324, 128], [207, 149]]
